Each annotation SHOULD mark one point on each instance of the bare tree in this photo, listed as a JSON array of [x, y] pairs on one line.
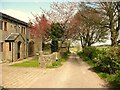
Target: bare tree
[[90, 26], [111, 12]]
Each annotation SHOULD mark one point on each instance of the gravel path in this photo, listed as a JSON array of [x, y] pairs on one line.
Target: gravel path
[[73, 74]]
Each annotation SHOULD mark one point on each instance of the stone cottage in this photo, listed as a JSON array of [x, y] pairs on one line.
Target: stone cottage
[[14, 39]]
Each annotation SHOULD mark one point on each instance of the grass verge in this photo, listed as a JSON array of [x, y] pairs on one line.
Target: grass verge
[[32, 63], [60, 61], [57, 63]]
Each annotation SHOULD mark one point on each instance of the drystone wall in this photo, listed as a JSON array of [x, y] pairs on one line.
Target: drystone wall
[[46, 60]]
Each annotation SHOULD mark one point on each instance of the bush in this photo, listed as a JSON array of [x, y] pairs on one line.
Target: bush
[[90, 52], [65, 55], [107, 61], [80, 54], [117, 79], [114, 79]]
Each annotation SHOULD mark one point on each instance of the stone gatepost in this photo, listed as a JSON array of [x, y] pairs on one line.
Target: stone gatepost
[[41, 59]]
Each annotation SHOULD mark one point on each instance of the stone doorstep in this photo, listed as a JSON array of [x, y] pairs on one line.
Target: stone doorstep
[[20, 61]]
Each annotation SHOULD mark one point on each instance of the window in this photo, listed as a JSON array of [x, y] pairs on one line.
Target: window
[[21, 29], [24, 30], [9, 46], [5, 26], [1, 46], [1, 25]]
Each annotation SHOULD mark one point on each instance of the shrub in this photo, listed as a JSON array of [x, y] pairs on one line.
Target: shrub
[[90, 52], [117, 79], [114, 79], [80, 54], [65, 55], [107, 61]]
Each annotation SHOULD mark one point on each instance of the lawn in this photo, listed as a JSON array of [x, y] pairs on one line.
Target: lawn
[[32, 63], [59, 62]]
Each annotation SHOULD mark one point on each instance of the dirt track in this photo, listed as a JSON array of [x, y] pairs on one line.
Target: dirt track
[[73, 74]]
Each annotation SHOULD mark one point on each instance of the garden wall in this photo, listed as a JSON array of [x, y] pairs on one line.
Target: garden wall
[[46, 60]]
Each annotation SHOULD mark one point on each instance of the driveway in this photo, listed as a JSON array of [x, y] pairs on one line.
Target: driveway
[[73, 74]]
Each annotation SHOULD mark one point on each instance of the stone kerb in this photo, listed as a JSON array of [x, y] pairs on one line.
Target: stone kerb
[[46, 60]]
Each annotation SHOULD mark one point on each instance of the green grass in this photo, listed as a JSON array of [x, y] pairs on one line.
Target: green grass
[[63, 60], [32, 63], [57, 63]]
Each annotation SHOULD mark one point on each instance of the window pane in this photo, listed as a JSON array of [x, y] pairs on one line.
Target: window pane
[[1, 25], [5, 26]]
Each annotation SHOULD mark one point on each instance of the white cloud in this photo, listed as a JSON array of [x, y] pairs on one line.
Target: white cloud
[[18, 14]]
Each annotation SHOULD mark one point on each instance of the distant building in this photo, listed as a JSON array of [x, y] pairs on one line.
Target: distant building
[[14, 39]]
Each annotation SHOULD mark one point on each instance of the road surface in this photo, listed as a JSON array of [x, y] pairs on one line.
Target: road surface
[[73, 74]]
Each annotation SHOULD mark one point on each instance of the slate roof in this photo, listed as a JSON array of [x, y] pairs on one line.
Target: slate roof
[[12, 37]]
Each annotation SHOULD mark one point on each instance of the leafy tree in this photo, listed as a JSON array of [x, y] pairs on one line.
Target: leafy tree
[[63, 13], [55, 34]]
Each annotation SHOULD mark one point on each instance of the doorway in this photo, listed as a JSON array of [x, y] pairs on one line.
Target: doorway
[[31, 48], [18, 53]]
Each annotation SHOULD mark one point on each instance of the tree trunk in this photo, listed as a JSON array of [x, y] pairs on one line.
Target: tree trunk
[[113, 31], [54, 46], [68, 48], [60, 45], [114, 36], [40, 43]]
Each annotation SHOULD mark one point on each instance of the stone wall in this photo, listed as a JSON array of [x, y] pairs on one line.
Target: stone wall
[[46, 60]]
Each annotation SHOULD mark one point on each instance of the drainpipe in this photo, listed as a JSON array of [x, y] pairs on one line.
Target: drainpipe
[[12, 51]]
